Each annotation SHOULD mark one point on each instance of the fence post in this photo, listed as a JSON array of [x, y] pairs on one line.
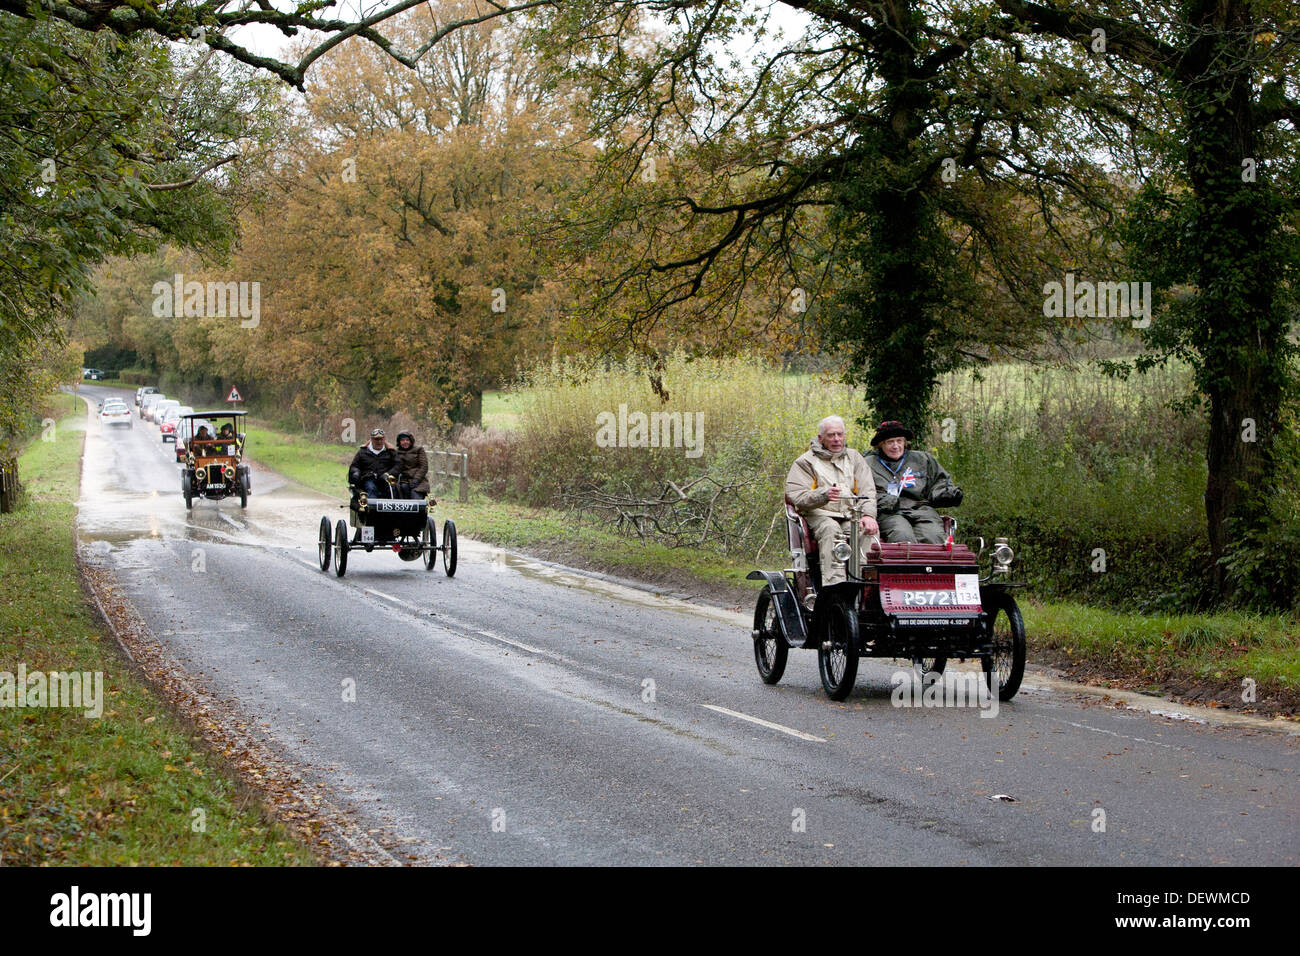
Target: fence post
[[8, 484], [464, 476]]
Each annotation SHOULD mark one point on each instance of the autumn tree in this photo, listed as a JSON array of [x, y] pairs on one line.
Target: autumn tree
[[394, 271], [1217, 218], [869, 162]]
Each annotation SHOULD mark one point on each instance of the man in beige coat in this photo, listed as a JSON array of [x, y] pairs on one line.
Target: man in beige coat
[[816, 485]]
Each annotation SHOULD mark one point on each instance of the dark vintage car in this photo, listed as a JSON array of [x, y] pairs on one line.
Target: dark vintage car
[[926, 603], [213, 466], [401, 524]]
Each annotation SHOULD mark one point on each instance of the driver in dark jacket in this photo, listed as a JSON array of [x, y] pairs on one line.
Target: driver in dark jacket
[[371, 466]]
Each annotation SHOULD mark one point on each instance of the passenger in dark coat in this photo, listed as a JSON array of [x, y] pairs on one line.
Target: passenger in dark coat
[[414, 464], [372, 462], [910, 484]]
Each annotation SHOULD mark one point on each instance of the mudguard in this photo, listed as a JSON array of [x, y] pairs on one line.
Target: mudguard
[[793, 628]]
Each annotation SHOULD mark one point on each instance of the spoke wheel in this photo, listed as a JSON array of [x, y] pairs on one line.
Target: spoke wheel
[[837, 655], [340, 548], [770, 649], [1007, 663], [429, 544], [323, 548], [449, 547]]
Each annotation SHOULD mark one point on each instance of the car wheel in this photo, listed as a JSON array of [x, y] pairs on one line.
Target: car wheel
[[449, 547], [770, 649], [1008, 659], [340, 548], [323, 548], [837, 655], [429, 544], [243, 495]]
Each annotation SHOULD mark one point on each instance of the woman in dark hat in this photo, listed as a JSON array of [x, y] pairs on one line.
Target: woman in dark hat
[[414, 465], [910, 484]]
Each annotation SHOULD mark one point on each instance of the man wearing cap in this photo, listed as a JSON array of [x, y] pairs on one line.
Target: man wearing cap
[[817, 485], [371, 466], [910, 484]]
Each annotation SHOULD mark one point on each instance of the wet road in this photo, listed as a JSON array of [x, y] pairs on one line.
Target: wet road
[[523, 714]]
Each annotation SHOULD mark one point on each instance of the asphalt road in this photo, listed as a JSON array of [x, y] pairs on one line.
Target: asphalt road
[[524, 714]]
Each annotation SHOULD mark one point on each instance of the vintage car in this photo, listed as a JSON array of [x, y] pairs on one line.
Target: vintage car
[[214, 466], [400, 524], [926, 603]]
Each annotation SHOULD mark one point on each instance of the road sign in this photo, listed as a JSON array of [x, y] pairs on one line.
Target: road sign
[[234, 395]]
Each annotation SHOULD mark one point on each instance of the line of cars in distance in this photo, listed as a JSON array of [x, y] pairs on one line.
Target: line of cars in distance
[[169, 415]]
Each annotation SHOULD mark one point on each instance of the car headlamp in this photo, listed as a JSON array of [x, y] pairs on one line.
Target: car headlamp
[[1002, 556], [841, 551], [362, 502]]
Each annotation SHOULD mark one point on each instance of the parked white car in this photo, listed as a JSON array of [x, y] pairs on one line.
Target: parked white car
[[147, 400], [159, 408]]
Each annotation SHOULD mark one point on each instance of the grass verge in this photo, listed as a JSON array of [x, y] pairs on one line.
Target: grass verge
[[128, 787], [1204, 657]]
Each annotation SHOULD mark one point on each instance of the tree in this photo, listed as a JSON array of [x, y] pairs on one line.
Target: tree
[[100, 134], [394, 275], [874, 164], [1217, 215]]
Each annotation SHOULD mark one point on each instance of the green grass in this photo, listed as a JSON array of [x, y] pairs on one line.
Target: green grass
[[1223, 647], [1214, 648], [120, 789], [502, 409]]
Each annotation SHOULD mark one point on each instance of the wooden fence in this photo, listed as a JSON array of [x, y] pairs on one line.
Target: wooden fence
[[8, 485], [450, 465]]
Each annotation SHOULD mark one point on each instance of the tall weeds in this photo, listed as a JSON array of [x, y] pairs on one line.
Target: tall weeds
[[1097, 481]]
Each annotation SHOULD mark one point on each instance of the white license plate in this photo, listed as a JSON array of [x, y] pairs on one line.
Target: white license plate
[[367, 535]]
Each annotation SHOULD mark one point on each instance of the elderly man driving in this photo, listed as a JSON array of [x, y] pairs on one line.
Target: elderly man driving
[[817, 484]]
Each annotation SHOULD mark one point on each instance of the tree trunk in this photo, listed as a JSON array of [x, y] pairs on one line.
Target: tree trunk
[[1240, 327]]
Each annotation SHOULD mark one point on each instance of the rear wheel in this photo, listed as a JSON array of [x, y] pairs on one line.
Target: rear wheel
[[429, 544], [770, 650], [449, 547], [1007, 664], [837, 655], [341, 548], [323, 547], [243, 496]]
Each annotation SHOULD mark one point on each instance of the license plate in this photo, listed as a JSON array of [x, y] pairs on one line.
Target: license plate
[[367, 535], [928, 598]]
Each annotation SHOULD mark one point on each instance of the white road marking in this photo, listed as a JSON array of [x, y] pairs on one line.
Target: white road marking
[[506, 640], [487, 634], [766, 723], [389, 597]]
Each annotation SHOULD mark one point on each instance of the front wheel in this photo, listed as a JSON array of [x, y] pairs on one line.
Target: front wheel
[[429, 544], [323, 547], [837, 655], [1006, 665], [449, 547], [340, 548], [770, 649]]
